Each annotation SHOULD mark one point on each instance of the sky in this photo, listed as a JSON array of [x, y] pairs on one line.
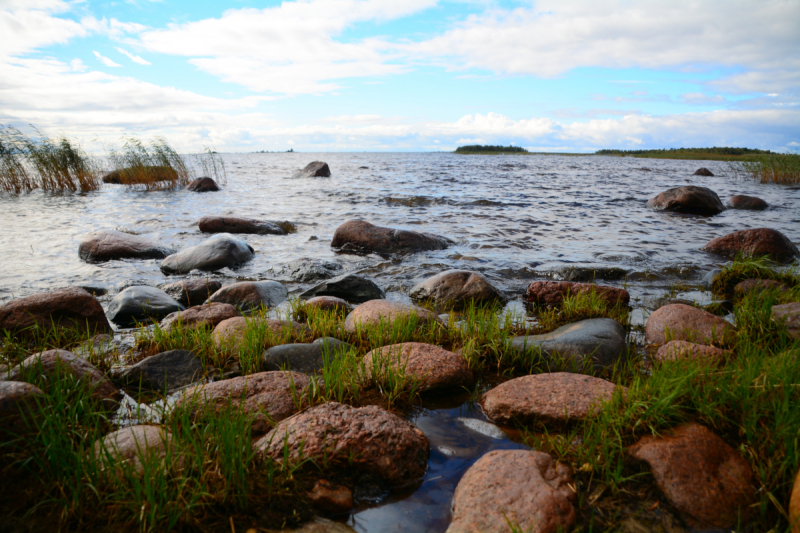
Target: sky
[[404, 75]]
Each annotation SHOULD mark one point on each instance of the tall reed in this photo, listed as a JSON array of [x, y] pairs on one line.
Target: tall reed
[[783, 169], [153, 166]]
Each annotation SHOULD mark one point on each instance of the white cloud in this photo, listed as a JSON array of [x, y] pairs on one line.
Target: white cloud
[[106, 61], [701, 99], [133, 57]]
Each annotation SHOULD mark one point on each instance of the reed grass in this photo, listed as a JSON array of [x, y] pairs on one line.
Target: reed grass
[[153, 166], [783, 169]]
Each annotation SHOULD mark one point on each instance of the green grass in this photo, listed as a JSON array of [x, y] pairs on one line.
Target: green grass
[[783, 169], [701, 154], [743, 268]]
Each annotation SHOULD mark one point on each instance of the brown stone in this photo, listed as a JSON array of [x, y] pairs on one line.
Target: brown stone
[[328, 303], [108, 245], [675, 350], [269, 394], [552, 293], [362, 237], [204, 184], [360, 441], [743, 288], [789, 315], [17, 404], [251, 295], [330, 498], [231, 331], [190, 292], [703, 171], [741, 201], [689, 199], [133, 445], [557, 398], [200, 315], [244, 225], [376, 311], [71, 307], [686, 323], [794, 505], [528, 489], [434, 367], [701, 475], [457, 289], [754, 242]]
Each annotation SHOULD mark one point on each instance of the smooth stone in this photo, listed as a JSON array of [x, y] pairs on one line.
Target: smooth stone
[[140, 303], [244, 225], [200, 315], [220, 251], [484, 428], [204, 184], [676, 350], [330, 498], [436, 368], [349, 287], [457, 289], [529, 489], [109, 245], [601, 340], [688, 199], [754, 242], [708, 279], [701, 475], [71, 308], [788, 315], [748, 286], [18, 403], [703, 171], [310, 270], [552, 293], [189, 292], [315, 169], [134, 445], [250, 296], [231, 331], [741, 201], [145, 174], [304, 357], [164, 372], [686, 323], [376, 311], [334, 345], [328, 303], [358, 236]]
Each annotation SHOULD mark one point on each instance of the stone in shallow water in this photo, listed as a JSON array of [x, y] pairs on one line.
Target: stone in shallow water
[[687, 323], [552, 293], [358, 236], [741, 201], [308, 270], [108, 245], [457, 289], [689, 199], [204, 184], [483, 427], [348, 287], [220, 251], [251, 295], [755, 242], [200, 315], [165, 372], [190, 292], [140, 304], [315, 169], [244, 225]]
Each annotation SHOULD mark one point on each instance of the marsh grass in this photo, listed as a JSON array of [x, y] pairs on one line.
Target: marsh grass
[[783, 169], [211, 165], [153, 166]]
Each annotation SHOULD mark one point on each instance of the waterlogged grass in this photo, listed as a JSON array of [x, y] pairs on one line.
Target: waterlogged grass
[[783, 169], [149, 166], [744, 267], [582, 306]]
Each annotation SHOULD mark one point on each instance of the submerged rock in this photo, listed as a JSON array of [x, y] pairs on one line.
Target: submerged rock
[[251, 295], [315, 169], [217, 252], [349, 287], [552, 293], [200, 315], [244, 225], [71, 307], [190, 292], [436, 368], [755, 242], [457, 289], [358, 236], [204, 184], [687, 323], [164, 372], [741, 201], [376, 311], [18, 400], [703, 171], [108, 245], [689, 199], [788, 315], [308, 270], [139, 304]]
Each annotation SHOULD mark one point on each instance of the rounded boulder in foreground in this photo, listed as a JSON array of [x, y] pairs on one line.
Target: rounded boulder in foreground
[[71, 307], [376, 311], [220, 251], [689, 199], [686, 323], [457, 289], [558, 397], [363, 441], [436, 368], [359, 236], [108, 245], [527, 488], [755, 242]]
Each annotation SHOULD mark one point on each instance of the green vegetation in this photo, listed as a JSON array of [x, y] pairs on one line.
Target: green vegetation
[[488, 149], [713, 154], [783, 169]]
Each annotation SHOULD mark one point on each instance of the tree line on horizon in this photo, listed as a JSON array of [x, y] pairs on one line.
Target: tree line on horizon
[[483, 148], [724, 150]]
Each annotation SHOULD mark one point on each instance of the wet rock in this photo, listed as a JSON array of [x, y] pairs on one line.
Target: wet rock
[[262, 394], [741, 201], [689, 199], [330, 498], [358, 236], [484, 428], [140, 304], [70, 307], [376, 311], [701, 475], [108, 245], [200, 315], [551, 398], [300, 357], [360, 441], [686, 323], [144, 174], [703, 171], [600, 340], [527, 488], [18, 400], [164, 372], [244, 225], [552, 293], [204, 184], [251, 295], [315, 169], [456, 289], [189, 292], [743, 288], [591, 273], [708, 279], [134, 445], [217, 252], [231, 331], [675, 350], [789, 315], [755, 242], [349, 287], [309, 270], [328, 303], [794, 505], [436, 368]]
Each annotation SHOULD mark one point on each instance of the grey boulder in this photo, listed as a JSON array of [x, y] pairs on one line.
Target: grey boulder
[[108, 245], [190, 292], [138, 304], [164, 372], [251, 295], [309, 270], [303, 357], [217, 252], [350, 287], [315, 169]]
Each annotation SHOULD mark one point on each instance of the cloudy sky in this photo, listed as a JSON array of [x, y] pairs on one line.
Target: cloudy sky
[[405, 75]]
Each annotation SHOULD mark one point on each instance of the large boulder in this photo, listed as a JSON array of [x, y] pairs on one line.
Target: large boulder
[[303, 357], [358, 236], [190, 292], [164, 372], [315, 169], [554, 398], [204, 184], [141, 174], [703, 171], [244, 225], [599, 340], [457, 289], [71, 307], [18, 401], [688, 199], [788, 315], [251, 295], [366, 441], [436, 369], [134, 446], [139, 304], [200, 315], [552, 293], [308, 270], [701, 475], [349, 287], [752, 203], [678, 350], [755, 242], [529, 489], [231, 332], [107, 245], [217, 252], [376, 311], [686, 323]]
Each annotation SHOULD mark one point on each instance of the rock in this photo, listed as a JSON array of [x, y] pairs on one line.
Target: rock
[[658, 303], [794, 505], [789, 315], [436, 368], [689, 199], [529, 489], [164, 372], [145, 174], [457, 289], [358, 236], [231, 331], [200, 315], [593, 272], [741, 201], [190, 292], [708, 279], [50, 362], [686, 323], [550, 398], [600, 340], [265, 393], [328, 303], [701, 475], [140, 303], [330, 498], [743, 288], [349, 287], [755, 242], [360, 441], [244, 225], [308, 270], [675, 350], [18, 402], [552, 293], [703, 171], [217, 252], [134, 445], [71, 307], [204, 184], [304, 357], [250, 296], [376, 311], [108, 245], [315, 169]]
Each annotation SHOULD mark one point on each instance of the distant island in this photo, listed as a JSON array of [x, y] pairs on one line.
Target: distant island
[[488, 149], [715, 153]]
